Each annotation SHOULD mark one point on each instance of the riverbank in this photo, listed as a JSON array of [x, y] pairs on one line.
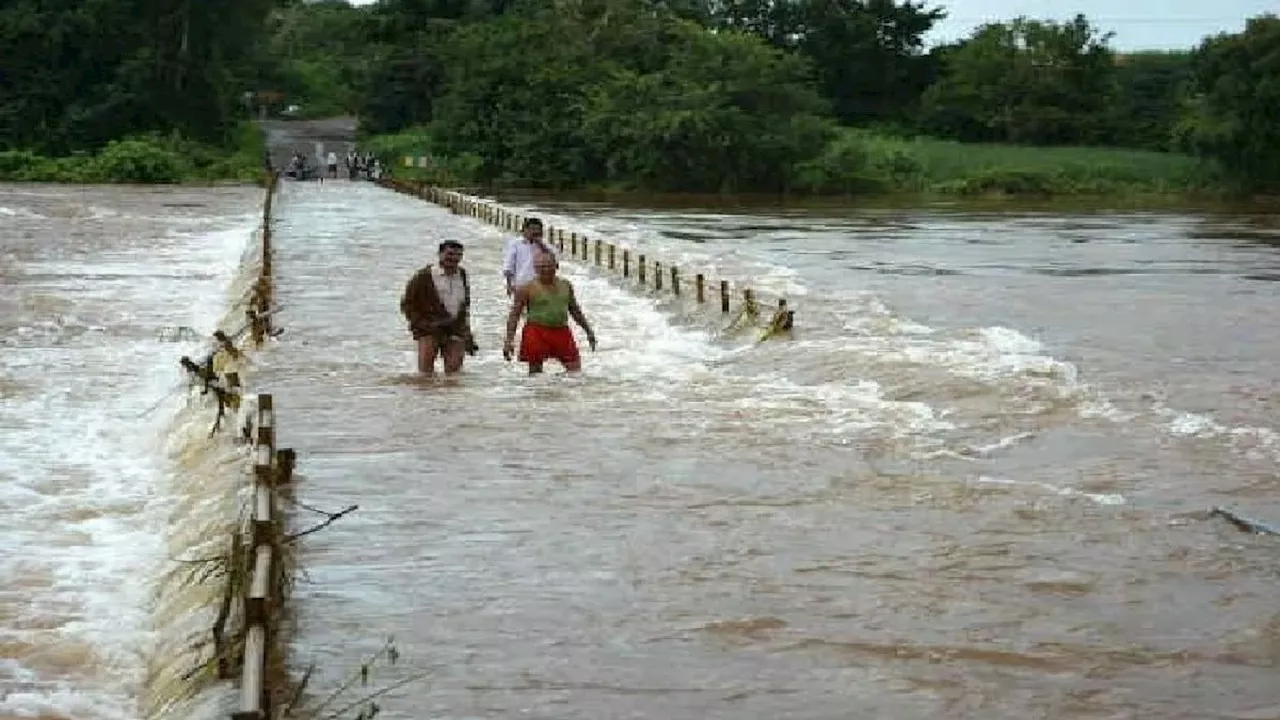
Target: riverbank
[[153, 160], [859, 163]]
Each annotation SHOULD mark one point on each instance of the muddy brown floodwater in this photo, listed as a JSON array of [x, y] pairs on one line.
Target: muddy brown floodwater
[[101, 290], [974, 485]]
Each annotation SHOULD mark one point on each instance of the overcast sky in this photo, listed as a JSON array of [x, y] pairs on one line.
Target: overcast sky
[[1137, 24]]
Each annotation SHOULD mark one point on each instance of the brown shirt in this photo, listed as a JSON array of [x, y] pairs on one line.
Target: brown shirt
[[422, 307]]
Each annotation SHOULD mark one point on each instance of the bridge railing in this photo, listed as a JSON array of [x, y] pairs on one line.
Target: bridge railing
[[245, 644], [774, 316]]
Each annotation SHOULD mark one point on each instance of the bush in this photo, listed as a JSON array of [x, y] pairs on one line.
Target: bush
[[140, 161], [857, 163], [152, 158], [416, 142], [860, 161]]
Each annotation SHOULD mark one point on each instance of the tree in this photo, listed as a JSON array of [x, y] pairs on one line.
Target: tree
[[611, 91], [1149, 92], [727, 113], [868, 54], [1233, 113], [76, 75], [1025, 81]]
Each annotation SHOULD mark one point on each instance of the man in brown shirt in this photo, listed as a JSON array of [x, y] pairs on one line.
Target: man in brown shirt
[[437, 304]]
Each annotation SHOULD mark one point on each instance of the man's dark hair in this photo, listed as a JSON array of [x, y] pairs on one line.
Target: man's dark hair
[[531, 222], [447, 244]]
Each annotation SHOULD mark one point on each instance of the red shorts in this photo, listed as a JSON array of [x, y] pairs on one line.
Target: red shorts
[[539, 343]]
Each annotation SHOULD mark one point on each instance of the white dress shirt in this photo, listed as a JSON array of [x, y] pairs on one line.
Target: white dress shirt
[[519, 257], [450, 289]]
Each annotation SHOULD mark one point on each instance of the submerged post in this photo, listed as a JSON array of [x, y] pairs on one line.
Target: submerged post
[[590, 251], [255, 696]]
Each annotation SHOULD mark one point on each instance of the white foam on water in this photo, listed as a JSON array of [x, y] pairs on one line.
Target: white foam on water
[[1022, 370], [995, 355], [638, 341], [848, 410], [716, 262], [1096, 498], [87, 484], [641, 348], [638, 345], [656, 356], [1256, 442], [21, 212]]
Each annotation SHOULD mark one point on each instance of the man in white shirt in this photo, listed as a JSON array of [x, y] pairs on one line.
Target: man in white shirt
[[517, 262], [437, 303]]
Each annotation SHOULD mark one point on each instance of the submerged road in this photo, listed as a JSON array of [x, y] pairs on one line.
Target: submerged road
[[286, 137], [881, 520]]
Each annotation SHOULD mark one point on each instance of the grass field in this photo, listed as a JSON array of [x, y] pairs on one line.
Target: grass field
[[861, 162]]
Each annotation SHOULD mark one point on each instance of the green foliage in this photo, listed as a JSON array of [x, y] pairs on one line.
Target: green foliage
[[868, 55], [859, 162], [727, 113], [1233, 112], [520, 111], [1150, 87], [139, 161], [77, 75], [612, 95], [732, 96], [322, 56], [1025, 81], [856, 163], [463, 169], [150, 158]]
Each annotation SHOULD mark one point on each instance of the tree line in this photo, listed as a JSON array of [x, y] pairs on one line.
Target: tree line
[[674, 95]]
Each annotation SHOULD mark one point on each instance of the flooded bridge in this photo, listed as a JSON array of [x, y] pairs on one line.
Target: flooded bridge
[[974, 484]]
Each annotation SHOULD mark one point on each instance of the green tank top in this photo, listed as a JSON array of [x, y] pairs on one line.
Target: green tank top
[[549, 308]]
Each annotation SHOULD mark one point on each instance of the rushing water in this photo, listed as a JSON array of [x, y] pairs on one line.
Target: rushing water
[[973, 485], [96, 286]]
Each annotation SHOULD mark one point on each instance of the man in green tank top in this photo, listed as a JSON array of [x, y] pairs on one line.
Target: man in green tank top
[[547, 303]]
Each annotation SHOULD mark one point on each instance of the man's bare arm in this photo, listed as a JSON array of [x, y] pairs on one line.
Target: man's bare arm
[[575, 311], [509, 267], [518, 304]]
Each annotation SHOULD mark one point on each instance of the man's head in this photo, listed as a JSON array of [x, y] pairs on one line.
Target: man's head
[[450, 254], [545, 266], [532, 229]]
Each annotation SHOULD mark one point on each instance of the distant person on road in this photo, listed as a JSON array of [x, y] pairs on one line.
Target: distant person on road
[[333, 165], [518, 260], [437, 304], [547, 302]]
